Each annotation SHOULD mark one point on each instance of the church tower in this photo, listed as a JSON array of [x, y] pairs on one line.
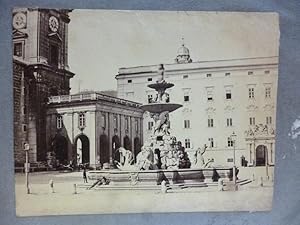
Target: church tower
[[40, 69]]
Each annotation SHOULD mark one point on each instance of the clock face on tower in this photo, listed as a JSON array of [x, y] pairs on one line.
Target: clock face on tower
[[53, 23], [19, 20]]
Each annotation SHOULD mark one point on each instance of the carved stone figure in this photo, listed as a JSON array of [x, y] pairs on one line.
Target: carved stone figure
[[199, 161], [126, 158]]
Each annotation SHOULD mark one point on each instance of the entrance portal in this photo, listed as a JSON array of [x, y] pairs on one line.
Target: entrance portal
[[127, 144], [83, 149], [60, 147], [115, 145], [104, 149], [261, 153]]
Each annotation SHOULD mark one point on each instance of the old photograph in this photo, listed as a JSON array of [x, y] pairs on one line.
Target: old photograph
[[143, 111]]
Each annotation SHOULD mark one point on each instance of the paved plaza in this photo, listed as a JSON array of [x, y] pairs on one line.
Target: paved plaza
[[250, 197]]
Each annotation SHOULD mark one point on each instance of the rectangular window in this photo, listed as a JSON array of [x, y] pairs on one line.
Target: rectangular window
[[129, 95], [251, 92], [126, 123], [115, 122], [129, 81], [229, 142], [209, 95], [18, 49], [81, 120], [252, 120], [230, 160], [267, 71], [185, 76], [54, 54], [229, 122], [150, 125], [210, 122], [187, 143], [150, 98], [211, 142], [269, 120], [24, 110], [268, 92], [227, 74], [150, 79], [136, 123], [24, 127], [250, 72], [186, 98], [186, 124], [103, 121], [59, 121], [208, 75], [228, 94]]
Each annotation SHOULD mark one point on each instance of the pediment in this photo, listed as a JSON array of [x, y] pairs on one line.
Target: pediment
[[210, 110], [19, 34], [229, 108], [268, 107], [55, 36], [252, 107]]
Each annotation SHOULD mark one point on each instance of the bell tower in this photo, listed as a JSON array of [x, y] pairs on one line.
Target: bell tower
[[40, 46]]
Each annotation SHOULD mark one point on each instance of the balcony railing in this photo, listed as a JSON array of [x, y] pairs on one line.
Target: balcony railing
[[90, 97]]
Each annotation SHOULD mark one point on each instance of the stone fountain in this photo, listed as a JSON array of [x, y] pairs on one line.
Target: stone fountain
[[162, 157]]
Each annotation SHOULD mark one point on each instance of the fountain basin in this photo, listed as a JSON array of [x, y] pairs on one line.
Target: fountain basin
[[161, 86], [160, 107], [154, 177]]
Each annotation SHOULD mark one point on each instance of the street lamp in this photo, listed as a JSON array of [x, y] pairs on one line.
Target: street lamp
[[266, 159], [26, 166], [233, 136]]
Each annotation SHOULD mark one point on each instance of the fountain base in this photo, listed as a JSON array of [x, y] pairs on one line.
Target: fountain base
[[155, 177]]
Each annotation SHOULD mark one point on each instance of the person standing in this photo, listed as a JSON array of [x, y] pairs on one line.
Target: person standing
[[84, 175]]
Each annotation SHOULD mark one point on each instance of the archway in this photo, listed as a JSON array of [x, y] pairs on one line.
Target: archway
[[104, 149], [115, 145], [137, 146], [261, 152], [60, 148], [83, 149], [127, 143]]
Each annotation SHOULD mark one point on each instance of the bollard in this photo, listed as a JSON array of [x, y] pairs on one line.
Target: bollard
[[261, 182], [51, 186], [253, 177], [163, 187], [220, 185], [75, 189]]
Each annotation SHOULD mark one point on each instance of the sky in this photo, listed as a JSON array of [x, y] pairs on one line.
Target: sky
[[102, 41]]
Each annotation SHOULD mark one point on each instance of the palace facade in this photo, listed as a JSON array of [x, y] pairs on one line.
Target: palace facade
[[229, 105]]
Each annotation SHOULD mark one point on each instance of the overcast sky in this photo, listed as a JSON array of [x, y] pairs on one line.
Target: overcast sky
[[102, 41]]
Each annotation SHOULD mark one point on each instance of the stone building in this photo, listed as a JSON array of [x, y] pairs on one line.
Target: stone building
[[218, 97], [89, 127], [40, 69]]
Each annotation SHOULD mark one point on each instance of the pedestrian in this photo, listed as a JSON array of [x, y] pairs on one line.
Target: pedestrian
[[84, 175], [51, 186]]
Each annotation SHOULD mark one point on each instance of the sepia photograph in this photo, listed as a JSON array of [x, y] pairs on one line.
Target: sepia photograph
[[132, 111]]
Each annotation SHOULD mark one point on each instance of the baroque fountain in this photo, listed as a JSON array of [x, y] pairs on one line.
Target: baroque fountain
[[162, 157]]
